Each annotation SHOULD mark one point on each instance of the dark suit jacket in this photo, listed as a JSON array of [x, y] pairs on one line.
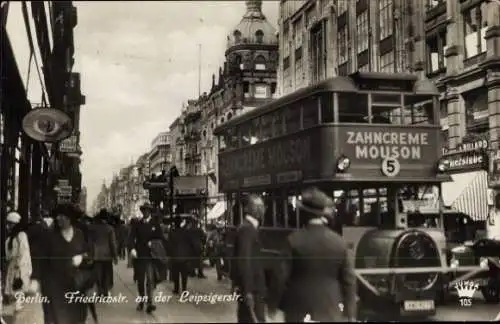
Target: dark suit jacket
[[247, 268], [104, 240], [182, 245], [38, 233], [319, 275], [141, 234]]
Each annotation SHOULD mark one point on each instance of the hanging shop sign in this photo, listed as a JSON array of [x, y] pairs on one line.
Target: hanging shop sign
[[47, 125], [69, 145], [471, 155]]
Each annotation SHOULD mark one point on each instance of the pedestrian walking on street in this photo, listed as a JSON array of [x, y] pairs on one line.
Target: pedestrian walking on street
[[21, 281], [182, 251], [38, 232], [199, 239], [67, 261], [122, 234], [248, 276], [105, 252], [145, 231], [18, 256], [318, 274]]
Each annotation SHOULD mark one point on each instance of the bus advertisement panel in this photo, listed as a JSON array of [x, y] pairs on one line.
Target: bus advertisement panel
[[314, 153], [277, 161], [394, 151]]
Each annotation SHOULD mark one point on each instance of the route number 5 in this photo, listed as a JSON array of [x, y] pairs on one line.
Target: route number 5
[[390, 167]]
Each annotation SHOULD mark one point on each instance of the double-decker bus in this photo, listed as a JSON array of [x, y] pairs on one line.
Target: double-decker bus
[[371, 141]]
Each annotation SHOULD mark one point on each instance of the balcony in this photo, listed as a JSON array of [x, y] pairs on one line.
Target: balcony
[[192, 113], [192, 136]]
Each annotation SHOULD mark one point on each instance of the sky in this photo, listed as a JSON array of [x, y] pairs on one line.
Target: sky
[[138, 63]]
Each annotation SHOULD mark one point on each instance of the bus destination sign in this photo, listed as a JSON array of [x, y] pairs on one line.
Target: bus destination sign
[[255, 165], [397, 144]]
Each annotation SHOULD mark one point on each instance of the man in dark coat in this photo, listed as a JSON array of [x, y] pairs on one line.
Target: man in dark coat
[[319, 274], [199, 239], [143, 233], [182, 251], [248, 271], [105, 251], [38, 233], [121, 233]]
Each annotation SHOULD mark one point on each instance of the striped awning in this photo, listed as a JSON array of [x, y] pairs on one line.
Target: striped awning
[[468, 193]]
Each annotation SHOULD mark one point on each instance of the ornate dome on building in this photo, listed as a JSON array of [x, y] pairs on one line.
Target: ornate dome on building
[[253, 28]]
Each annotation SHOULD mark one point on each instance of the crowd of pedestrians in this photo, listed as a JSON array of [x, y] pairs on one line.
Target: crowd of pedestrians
[[58, 252], [66, 250]]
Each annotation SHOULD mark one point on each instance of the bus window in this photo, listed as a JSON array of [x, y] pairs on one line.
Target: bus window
[[421, 109], [222, 140], [244, 134], [326, 101], [422, 114], [236, 212], [353, 208], [353, 108], [292, 211], [231, 139], [369, 214], [268, 220], [310, 111], [386, 109], [292, 119], [280, 210], [255, 134], [266, 127], [342, 212], [277, 120], [386, 115], [229, 212]]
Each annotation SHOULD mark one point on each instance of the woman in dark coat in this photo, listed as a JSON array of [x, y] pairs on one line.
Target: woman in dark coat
[[67, 250]]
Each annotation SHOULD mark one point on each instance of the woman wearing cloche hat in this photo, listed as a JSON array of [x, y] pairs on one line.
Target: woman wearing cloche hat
[[318, 273]]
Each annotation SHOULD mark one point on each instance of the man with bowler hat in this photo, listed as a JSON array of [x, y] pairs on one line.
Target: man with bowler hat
[[145, 231], [248, 272], [318, 273]]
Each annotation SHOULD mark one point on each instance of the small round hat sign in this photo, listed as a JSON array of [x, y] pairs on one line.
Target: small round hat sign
[[47, 125]]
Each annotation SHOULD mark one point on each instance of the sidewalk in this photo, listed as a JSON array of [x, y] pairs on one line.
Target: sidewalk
[[171, 309]]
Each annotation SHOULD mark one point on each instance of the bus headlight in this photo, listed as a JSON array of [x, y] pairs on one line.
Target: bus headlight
[[443, 165], [483, 263], [343, 163]]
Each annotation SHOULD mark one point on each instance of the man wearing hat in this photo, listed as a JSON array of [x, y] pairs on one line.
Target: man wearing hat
[[105, 251], [248, 271], [323, 275], [144, 231]]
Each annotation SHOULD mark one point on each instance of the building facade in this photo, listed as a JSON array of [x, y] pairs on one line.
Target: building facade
[[247, 80], [160, 156], [126, 191], [177, 145], [452, 42], [29, 170], [83, 200]]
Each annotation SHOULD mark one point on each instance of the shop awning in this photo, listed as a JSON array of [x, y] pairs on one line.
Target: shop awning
[[217, 211], [468, 193]]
